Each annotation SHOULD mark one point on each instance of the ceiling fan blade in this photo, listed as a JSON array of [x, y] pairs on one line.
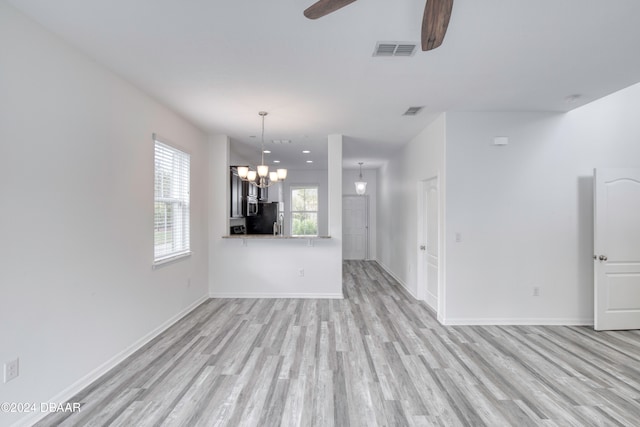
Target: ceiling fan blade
[[435, 22], [325, 7]]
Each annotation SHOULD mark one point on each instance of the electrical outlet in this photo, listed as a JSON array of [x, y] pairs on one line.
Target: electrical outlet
[[301, 272], [11, 370], [536, 291]]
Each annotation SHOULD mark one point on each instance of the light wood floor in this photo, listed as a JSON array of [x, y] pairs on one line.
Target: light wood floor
[[378, 357]]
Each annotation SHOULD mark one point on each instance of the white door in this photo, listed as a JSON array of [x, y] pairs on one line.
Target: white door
[[355, 227], [429, 242], [617, 249]]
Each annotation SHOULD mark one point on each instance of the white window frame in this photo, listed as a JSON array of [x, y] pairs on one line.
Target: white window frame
[[173, 191], [292, 211]]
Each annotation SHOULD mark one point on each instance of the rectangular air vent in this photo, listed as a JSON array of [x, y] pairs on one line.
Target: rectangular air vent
[[412, 111], [394, 49]]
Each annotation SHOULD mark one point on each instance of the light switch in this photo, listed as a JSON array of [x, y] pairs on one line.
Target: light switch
[[458, 237]]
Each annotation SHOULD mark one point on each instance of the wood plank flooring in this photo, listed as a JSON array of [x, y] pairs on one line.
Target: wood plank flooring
[[376, 358]]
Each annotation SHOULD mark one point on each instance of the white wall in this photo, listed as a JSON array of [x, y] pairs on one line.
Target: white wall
[[76, 283], [270, 268], [525, 210], [236, 158], [370, 176], [398, 184]]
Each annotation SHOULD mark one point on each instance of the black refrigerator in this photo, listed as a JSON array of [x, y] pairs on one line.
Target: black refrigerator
[[263, 222]]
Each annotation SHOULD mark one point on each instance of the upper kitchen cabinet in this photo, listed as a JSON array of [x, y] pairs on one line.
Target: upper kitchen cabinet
[[237, 193]]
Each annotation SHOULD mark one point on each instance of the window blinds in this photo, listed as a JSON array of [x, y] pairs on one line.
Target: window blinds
[[171, 211]]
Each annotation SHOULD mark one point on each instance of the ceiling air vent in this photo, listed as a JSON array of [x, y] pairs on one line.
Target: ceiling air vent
[[394, 49], [412, 111]]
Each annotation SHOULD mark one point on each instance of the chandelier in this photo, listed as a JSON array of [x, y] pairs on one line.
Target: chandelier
[[361, 186], [261, 177]]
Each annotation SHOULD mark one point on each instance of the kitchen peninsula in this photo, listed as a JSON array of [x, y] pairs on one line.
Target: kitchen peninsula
[[267, 266], [272, 237]]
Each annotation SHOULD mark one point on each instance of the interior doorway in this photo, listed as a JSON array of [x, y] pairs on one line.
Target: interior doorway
[[429, 242], [355, 227]]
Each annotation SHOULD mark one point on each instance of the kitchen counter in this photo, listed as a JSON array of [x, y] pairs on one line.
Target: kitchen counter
[[271, 236]]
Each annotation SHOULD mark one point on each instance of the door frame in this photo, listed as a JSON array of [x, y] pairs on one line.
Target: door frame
[[366, 220], [421, 287]]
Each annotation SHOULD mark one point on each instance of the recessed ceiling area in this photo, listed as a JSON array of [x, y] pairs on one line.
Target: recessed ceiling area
[[290, 155], [219, 63]]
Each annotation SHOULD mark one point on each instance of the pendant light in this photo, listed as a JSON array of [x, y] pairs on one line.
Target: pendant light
[[261, 177], [361, 186]]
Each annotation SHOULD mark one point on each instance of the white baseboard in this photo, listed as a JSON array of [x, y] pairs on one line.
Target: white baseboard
[[252, 295], [92, 376], [397, 279], [432, 301], [518, 322]]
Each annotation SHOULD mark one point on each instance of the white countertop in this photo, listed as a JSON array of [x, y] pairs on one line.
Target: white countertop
[[271, 236]]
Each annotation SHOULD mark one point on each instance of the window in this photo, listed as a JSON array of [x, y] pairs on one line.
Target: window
[[171, 218], [304, 211]]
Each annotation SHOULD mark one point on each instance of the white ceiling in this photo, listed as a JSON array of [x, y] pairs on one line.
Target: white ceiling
[[220, 62]]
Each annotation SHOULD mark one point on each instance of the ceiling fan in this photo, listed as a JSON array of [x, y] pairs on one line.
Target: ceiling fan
[[434, 21]]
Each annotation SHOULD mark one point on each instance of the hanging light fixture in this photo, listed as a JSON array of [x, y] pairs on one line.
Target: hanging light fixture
[[361, 186], [261, 177]]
